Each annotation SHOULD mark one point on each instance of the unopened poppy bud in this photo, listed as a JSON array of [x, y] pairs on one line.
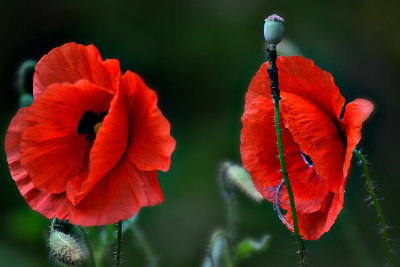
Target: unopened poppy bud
[[241, 178], [65, 249], [274, 29]]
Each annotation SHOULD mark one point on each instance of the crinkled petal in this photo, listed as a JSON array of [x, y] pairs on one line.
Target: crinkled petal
[[355, 114], [317, 136], [52, 150], [110, 144], [300, 76], [72, 62], [313, 225], [150, 143], [48, 204], [261, 158], [118, 196]]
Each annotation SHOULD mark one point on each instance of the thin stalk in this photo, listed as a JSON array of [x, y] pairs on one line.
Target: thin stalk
[[376, 205], [273, 76], [117, 258], [230, 258], [27, 65], [228, 194], [88, 244], [144, 245]]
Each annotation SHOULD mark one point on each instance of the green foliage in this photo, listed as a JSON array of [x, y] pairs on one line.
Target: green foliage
[[248, 247]]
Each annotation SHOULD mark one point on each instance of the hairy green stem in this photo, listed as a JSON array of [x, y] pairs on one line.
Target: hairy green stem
[[88, 244], [144, 245], [230, 258], [117, 259], [228, 194], [376, 205], [273, 76]]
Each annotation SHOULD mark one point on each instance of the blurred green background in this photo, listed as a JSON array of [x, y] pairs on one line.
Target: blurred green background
[[200, 57]]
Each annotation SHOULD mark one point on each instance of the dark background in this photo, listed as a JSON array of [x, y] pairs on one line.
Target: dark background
[[200, 57]]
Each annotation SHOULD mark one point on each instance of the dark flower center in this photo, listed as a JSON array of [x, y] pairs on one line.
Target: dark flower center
[[90, 123], [307, 159]]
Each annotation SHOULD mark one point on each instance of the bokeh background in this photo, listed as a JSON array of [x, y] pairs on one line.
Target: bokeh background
[[200, 57]]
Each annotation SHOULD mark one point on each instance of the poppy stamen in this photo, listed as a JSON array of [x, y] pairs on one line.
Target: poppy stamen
[[307, 159], [90, 123]]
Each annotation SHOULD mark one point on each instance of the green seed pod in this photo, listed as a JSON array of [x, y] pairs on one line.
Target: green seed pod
[[274, 29], [65, 249]]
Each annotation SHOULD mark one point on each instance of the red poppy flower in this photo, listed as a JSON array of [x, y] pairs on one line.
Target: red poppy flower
[[88, 149], [317, 143]]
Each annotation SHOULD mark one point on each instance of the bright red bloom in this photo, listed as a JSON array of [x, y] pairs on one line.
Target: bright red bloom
[[317, 143], [89, 147]]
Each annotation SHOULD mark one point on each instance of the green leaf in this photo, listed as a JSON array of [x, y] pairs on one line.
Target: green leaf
[[248, 247]]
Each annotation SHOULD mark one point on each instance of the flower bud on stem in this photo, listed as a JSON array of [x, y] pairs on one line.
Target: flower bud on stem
[[273, 33]]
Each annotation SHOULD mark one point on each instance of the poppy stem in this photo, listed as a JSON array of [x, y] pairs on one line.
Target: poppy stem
[[273, 77], [88, 244], [117, 259], [25, 67], [230, 259], [376, 204], [229, 196], [144, 245]]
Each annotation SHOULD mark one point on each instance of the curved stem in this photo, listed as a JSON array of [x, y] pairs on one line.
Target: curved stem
[[273, 76], [228, 194], [144, 245], [27, 65], [231, 261], [117, 258], [88, 244], [376, 205]]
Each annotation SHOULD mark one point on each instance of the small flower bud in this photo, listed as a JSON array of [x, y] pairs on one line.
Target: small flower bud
[[274, 29], [241, 179], [65, 249]]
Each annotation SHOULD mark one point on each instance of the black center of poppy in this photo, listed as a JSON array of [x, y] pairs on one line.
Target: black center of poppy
[[307, 159], [86, 125]]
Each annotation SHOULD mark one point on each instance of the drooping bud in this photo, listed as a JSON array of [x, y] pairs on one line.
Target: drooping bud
[[239, 177], [273, 29], [65, 249]]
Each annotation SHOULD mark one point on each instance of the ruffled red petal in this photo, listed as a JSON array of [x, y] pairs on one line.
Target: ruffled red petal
[[118, 196], [260, 157], [52, 150], [300, 76], [355, 114], [317, 136], [72, 62], [50, 205], [313, 225], [110, 144], [149, 130]]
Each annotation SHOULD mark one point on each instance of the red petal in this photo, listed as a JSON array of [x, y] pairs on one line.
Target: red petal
[[150, 143], [355, 114], [261, 158], [300, 76], [118, 196], [313, 225], [109, 145], [72, 62], [50, 205], [52, 150], [317, 136]]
